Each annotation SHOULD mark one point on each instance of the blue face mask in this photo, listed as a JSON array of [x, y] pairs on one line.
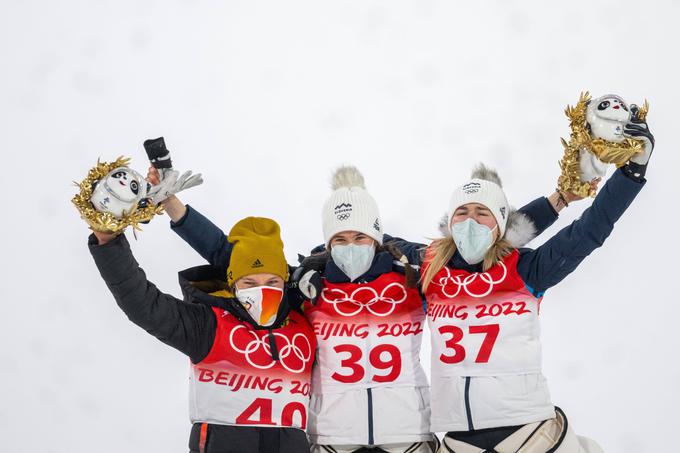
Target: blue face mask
[[354, 260], [472, 239]]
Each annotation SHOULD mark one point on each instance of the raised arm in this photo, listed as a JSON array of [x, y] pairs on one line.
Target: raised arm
[[204, 237], [553, 261], [560, 255], [200, 233], [187, 327]]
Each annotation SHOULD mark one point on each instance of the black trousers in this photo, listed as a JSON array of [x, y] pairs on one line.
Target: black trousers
[[246, 439], [484, 438]]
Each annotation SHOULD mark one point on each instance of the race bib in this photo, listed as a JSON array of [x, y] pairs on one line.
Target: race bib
[[239, 383], [483, 323], [367, 334]]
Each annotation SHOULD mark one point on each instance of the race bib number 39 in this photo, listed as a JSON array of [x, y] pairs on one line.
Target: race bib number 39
[[368, 334]]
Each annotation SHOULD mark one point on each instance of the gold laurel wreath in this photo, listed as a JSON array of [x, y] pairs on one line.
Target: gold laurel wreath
[[608, 152], [106, 222]]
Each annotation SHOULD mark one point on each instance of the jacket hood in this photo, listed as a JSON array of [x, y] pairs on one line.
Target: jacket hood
[[199, 282]]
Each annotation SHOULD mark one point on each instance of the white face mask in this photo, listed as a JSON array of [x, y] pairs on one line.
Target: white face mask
[[354, 260], [261, 302], [472, 239]]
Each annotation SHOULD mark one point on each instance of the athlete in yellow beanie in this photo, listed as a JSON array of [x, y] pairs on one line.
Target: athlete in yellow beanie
[[258, 249], [257, 269]]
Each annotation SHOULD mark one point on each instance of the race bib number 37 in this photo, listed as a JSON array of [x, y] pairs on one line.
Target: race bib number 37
[[483, 323]]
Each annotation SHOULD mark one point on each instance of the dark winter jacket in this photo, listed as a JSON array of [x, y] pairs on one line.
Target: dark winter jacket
[[188, 326], [211, 243], [546, 266]]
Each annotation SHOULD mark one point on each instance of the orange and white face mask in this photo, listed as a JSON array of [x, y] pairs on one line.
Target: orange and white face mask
[[261, 302]]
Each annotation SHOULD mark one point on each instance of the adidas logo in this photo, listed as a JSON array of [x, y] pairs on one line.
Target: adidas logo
[[376, 225], [257, 263], [503, 212]]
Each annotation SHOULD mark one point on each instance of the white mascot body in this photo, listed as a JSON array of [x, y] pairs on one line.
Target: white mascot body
[[606, 116], [119, 192]]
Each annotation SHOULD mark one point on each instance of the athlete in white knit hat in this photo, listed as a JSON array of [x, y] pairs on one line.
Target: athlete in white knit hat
[[368, 389], [483, 296]]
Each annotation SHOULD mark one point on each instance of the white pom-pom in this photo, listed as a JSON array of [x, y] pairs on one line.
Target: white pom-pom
[[347, 176], [481, 171]]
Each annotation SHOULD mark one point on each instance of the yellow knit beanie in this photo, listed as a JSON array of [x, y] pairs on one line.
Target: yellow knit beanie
[[257, 249]]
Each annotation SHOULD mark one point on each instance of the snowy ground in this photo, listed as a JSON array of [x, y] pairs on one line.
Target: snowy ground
[[265, 98]]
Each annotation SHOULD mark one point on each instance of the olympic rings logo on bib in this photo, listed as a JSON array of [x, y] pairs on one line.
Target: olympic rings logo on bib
[[293, 356], [365, 297], [463, 283]]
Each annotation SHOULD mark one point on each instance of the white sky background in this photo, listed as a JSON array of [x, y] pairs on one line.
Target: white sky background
[[265, 98]]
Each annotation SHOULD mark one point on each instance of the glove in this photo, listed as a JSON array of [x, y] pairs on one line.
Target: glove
[[638, 129], [308, 283], [157, 152], [172, 183]]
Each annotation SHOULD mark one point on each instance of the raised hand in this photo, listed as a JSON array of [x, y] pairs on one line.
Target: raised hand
[[171, 183], [639, 130], [165, 180], [308, 283]]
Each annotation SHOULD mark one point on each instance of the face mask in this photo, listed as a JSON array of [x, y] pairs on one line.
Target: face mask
[[472, 239], [261, 302], [354, 260]]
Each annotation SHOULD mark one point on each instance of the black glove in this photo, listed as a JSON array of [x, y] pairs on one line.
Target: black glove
[[158, 153], [638, 129], [171, 181]]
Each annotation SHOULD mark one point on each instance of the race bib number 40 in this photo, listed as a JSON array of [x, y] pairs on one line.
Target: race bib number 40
[[254, 377]]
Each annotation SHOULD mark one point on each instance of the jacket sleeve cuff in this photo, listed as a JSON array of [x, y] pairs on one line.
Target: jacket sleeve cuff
[[181, 221], [114, 259], [541, 213]]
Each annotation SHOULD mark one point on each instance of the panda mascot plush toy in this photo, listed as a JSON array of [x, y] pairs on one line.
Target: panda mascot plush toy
[[606, 118], [598, 139], [120, 192], [113, 196]]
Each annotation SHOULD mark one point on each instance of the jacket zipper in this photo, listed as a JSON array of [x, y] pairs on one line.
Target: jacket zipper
[[468, 412], [370, 417]]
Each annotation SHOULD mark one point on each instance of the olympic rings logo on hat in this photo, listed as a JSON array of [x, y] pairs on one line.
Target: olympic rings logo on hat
[[462, 283], [348, 305], [294, 348]]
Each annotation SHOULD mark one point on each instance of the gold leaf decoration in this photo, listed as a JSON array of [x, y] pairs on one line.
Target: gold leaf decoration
[[580, 138], [106, 222]]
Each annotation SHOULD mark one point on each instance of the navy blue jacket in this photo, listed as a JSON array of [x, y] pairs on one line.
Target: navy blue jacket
[[549, 264], [212, 244], [540, 269]]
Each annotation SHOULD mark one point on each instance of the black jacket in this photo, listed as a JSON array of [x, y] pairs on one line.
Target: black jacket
[[188, 326]]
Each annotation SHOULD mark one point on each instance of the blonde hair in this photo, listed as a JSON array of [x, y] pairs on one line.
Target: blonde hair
[[441, 250]]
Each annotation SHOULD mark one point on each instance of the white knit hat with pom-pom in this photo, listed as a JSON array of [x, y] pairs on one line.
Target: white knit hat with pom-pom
[[485, 188], [350, 207]]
